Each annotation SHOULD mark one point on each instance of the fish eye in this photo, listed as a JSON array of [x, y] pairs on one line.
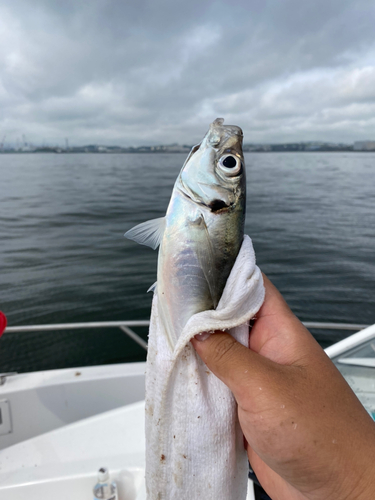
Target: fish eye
[[230, 162], [231, 165]]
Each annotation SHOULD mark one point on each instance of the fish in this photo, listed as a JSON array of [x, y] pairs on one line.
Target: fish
[[201, 234]]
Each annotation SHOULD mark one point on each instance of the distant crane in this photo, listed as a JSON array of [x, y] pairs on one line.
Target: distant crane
[[2, 143]]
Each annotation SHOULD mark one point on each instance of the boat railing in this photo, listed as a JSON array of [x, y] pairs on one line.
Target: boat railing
[[126, 327], [122, 325]]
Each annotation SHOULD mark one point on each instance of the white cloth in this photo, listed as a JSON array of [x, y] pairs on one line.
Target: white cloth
[[194, 444]]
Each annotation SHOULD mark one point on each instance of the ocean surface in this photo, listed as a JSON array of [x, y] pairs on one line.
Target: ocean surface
[[63, 257]]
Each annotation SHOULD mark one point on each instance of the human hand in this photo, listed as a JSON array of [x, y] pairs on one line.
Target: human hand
[[309, 437]]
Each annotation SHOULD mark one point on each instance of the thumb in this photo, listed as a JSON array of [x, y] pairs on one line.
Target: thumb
[[233, 363]]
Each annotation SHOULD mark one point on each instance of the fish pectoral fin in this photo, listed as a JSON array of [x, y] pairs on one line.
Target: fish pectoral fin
[[205, 254], [152, 287], [148, 233]]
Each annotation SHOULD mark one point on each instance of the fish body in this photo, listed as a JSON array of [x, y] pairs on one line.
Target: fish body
[[202, 232]]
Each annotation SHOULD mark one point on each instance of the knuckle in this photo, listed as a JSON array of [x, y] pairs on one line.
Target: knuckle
[[224, 349]]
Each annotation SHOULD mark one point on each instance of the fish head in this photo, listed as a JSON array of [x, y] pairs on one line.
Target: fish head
[[213, 175]]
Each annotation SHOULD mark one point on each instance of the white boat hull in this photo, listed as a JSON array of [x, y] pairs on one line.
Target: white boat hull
[[59, 427]]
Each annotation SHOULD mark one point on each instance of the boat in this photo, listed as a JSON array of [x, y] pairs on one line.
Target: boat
[[58, 427]]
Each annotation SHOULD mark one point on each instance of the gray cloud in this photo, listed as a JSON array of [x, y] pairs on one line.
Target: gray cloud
[[149, 72]]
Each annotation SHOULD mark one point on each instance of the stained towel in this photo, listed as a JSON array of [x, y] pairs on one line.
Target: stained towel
[[194, 444]]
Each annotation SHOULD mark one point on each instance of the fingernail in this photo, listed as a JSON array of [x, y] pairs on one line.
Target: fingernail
[[202, 336]]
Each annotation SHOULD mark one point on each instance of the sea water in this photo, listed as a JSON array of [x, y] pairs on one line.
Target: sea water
[[63, 257]]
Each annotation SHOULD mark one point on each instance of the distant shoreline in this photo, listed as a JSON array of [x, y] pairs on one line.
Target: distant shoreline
[[51, 151], [287, 147]]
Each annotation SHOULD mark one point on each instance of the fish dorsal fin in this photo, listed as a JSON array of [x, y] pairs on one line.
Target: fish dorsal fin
[[148, 233], [152, 287]]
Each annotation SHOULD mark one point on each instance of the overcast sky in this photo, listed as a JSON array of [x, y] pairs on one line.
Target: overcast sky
[[137, 72]]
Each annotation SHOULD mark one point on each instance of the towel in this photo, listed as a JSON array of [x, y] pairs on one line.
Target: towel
[[194, 444]]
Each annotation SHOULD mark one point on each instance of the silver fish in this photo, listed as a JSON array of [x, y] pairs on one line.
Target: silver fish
[[202, 231]]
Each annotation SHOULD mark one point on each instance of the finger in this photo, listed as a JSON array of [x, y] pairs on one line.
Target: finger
[[274, 302], [236, 365], [277, 333]]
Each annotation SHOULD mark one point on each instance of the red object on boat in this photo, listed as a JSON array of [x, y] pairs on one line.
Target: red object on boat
[[3, 323]]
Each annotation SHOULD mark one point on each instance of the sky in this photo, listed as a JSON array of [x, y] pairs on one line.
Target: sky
[[135, 72]]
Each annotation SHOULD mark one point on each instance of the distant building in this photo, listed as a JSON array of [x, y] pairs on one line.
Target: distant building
[[364, 146]]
